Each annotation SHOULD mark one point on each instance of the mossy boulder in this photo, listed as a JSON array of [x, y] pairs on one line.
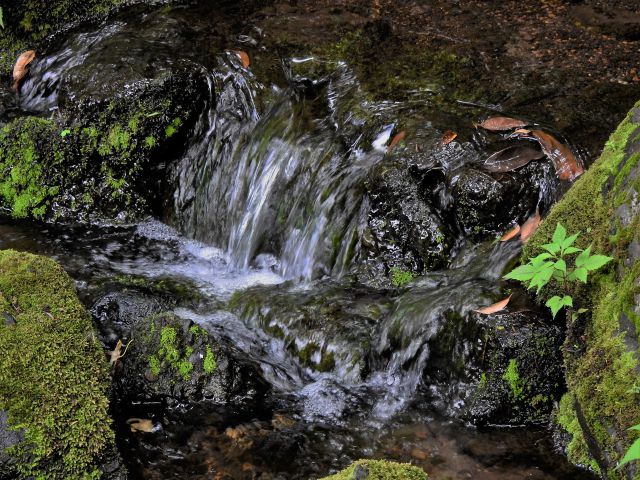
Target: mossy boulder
[[174, 360], [379, 470], [104, 158], [601, 349], [54, 379]]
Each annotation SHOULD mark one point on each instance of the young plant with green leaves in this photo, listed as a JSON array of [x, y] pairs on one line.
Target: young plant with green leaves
[[552, 265], [633, 454]]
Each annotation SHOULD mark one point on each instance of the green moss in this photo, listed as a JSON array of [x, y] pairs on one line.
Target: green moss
[[327, 362], [399, 278], [209, 361], [53, 374], [380, 470], [512, 377], [173, 127], [602, 377], [154, 364]]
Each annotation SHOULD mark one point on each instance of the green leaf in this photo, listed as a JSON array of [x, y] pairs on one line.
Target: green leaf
[[559, 235], [540, 259], [560, 265], [65, 132], [555, 304], [567, 242], [578, 274], [583, 257], [594, 262], [635, 427], [570, 250], [552, 248], [541, 277], [522, 273], [632, 454], [1, 18]]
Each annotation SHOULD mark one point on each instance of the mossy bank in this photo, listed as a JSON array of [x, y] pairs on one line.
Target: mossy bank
[[54, 376], [601, 349]]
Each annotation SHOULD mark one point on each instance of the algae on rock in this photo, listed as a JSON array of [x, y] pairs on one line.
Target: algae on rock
[[53, 374]]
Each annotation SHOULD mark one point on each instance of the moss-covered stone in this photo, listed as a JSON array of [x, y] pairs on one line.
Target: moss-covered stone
[[601, 350], [53, 374], [379, 470]]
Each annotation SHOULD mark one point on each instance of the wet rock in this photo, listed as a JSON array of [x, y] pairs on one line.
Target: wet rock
[[521, 371], [8, 438], [327, 329], [175, 360], [405, 230], [486, 203]]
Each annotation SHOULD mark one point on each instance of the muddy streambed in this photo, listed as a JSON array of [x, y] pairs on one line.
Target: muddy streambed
[[304, 209]]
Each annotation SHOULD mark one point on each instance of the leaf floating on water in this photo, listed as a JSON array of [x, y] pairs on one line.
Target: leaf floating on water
[[396, 140], [529, 227], [496, 307], [140, 425], [511, 158], [510, 234], [502, 124], [566, 165], [244, 58], [21, 67], [448, 137]]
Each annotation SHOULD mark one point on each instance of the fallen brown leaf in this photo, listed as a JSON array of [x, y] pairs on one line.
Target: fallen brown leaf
[[496, 307], [140, 425], [529, 227], [398, 137], [21, 68], [511, 158], [115, 353], [244, 58], [510, 234], [566, 165], [501, 124], [448, 137]]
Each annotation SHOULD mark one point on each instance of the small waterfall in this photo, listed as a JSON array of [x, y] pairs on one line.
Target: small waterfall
[[280, 183]]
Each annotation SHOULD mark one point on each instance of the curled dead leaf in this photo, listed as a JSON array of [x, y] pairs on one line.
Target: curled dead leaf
[[501, 124], [567, 166], [529, 227], [496, 307], [448, 137], [398, 137], [21, 68], [114, 355], [510, 234], [140, 425], [244, 58], [511, 158]]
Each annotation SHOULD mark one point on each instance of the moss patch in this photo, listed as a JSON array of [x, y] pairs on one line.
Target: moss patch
[[53, 373], [379, 470]]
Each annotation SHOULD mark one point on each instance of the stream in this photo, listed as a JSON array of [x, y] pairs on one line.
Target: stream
[[278, 229]]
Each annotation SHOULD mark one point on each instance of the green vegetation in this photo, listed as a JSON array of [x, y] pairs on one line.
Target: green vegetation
[[379, 470], [209, 364], [399, 278], [552, 265], [53, 374], [512, 377]]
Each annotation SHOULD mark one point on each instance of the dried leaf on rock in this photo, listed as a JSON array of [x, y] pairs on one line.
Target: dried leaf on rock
[[511, 158], [496, 307], [398, 137], [510, 234], [140, 425], [244, 58], [529, 227], [448, 137], [115, 353], [567, 166], [501, 124], [21, 67]]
